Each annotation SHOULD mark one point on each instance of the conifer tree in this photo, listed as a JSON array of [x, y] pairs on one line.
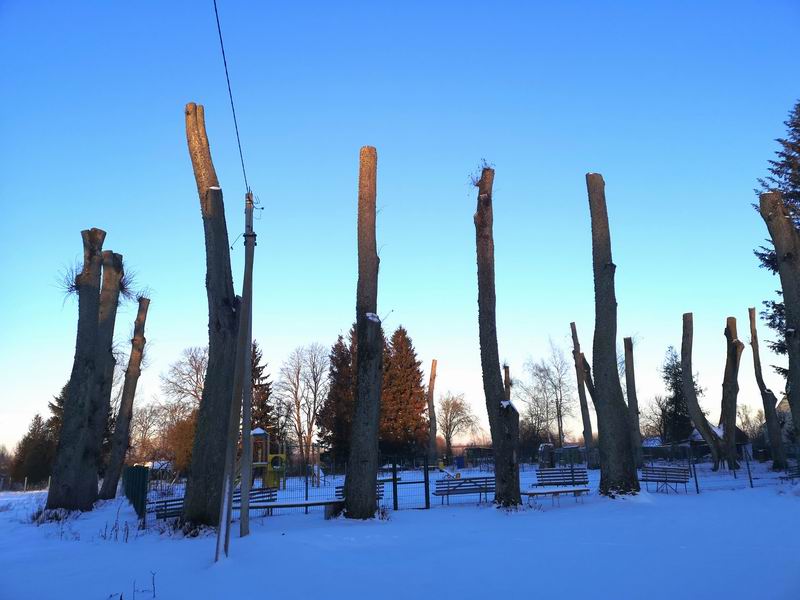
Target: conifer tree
[[784, 176], [677, 422], [336, 416], [403, 425], [35, 453], [263, 413]]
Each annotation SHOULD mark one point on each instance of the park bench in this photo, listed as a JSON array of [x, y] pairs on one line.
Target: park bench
[[666, 477], [169, 508], [378, 491], [464, 486], [791, 473], [333, 506], [559, 481]]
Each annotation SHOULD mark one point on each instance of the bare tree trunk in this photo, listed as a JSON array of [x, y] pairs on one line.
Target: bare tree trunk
[[769, 401], [730, 391], [73, 485], [580, 378], [204, 484], [432, 451], [633, 402], [786, 240], [503, 417], [587, 379], [617, 463], [695, 412], [362, 466], [121, 437], [101, 400]]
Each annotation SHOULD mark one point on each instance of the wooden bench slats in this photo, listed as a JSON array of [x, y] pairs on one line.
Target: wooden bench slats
[[666, 477], [463, 486]]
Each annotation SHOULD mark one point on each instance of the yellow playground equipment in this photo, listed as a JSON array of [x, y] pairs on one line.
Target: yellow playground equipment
[[272, 466]]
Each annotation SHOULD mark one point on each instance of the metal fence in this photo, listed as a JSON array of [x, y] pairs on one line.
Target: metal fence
[[135, 487]]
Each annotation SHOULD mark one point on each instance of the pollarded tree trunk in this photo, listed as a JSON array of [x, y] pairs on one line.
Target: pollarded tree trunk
[[73, 485], [730, 391], [204, 484], [122, 426], [503, 416], [769, 401], [786, 240], [432, 451], [106, 363], [633, 402], [687, 382], [587, 378], [617, 463], [362, 466], [580, 379]]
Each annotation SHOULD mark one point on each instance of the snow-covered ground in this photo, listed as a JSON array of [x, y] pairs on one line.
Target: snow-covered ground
[[728, 542]]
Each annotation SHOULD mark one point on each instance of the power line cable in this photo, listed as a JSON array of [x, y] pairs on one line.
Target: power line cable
[[230, 95]]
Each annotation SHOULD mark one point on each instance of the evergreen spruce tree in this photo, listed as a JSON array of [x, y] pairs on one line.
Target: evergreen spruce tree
[[56, 406], [336, 415], [403, 425], [35, 453], [263, 413], [784, 176], [677, 422]]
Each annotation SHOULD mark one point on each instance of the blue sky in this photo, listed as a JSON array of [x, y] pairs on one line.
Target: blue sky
[[676, 104]]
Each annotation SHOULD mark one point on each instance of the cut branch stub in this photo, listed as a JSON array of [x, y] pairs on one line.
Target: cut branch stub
[[200, 152]]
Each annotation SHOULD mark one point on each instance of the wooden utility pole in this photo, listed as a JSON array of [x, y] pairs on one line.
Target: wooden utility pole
[[247, 387], [633, 402], [580, 378], [244, 348], [769, 401], [432, 450]]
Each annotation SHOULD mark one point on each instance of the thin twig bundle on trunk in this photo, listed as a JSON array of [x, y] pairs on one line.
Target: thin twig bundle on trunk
[[769, 401], [122, 426], [617, 463], [786, 240], [74, 479], [362, 466], [503, 417], [204, 483], [699, 420]]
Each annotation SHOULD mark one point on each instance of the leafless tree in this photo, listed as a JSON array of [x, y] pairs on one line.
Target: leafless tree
[[362, 464], [454, 416], [121, 436], [145, 425], [786, 239], [654, 418], [184, 380], [503, 415], [751, 424], [302, 387], [617, 464], [205, 482]]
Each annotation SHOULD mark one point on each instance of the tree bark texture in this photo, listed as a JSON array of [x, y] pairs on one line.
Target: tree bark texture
[[362, 466], [106, 363], [786, 240], [432, 450], [730, 391], [122, 426], [204, 484], [769, 401], [503, 417], [695, 412], [617, 463], [73, 485], [633, 402], [580, 379]]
